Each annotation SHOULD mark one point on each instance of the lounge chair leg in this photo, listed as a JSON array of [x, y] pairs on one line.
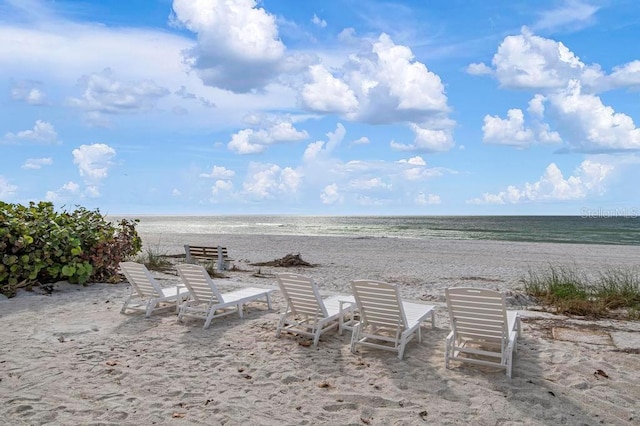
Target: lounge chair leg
[[447, 350], [150, 306], [283, 318], [180, 314], [316, 337], [269, 302], [207, 322], [240, 310], [355, 335], [127, 301]]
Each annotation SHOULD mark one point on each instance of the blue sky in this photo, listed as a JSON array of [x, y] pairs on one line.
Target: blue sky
[[316, 107]]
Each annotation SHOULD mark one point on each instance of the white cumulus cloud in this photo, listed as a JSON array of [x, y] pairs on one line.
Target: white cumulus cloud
[[6, 189], [384, 84], [222, 190], [268, 181], [28, 91], [103, 93], [219, 172], [591, 126], [68, 189], [93, 161], [370, 184], [565, 92], [320, 150], [37, 163], [417, 161], [479, 69], [238, 46], [361, 141], [328, 94], [588, 179], [415, 168], [536, 105], [92, 191], [427, 140], [319, 22], [42, 132], [331, 195], [627, 75], [250, 141], [509, 131], [423, 199], [528, 61]]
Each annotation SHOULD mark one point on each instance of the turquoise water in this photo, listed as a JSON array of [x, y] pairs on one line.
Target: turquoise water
[[557, 229]]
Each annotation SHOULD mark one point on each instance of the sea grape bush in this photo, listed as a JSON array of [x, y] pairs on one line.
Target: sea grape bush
[[39, 246]]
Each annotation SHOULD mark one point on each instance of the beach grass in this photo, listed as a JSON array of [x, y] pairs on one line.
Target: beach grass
[[614, 291], [153, 258]]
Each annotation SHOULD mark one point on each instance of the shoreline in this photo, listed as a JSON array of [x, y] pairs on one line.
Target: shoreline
[[551, 229]]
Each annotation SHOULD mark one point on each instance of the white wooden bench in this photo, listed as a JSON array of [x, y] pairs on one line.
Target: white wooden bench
[[216, 255]]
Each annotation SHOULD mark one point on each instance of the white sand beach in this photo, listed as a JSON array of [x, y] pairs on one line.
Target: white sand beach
[[72, 358]]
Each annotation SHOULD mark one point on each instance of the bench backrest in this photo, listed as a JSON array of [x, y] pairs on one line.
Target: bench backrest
[[205, 253]]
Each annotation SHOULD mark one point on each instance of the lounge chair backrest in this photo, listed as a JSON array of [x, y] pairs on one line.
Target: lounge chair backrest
[[478, 314], [141, 279], [201, 287], [379, 304], [302, 295]]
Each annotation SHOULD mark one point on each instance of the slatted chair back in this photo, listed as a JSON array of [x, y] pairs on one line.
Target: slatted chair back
[[379, 304], [478, 315], [141, 279], [201, 287], [302, 295]]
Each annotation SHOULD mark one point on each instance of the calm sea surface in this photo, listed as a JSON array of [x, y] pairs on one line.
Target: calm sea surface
[[557, 229]]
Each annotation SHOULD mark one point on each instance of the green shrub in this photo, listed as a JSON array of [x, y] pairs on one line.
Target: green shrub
[[41, 246]]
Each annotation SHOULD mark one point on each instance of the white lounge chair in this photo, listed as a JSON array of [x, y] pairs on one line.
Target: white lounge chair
[[307, 312], [146, 291], [206, 301], [481, 328], [386, 322]]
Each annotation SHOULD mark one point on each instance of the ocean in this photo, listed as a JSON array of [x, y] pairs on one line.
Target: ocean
[[587, 229]]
